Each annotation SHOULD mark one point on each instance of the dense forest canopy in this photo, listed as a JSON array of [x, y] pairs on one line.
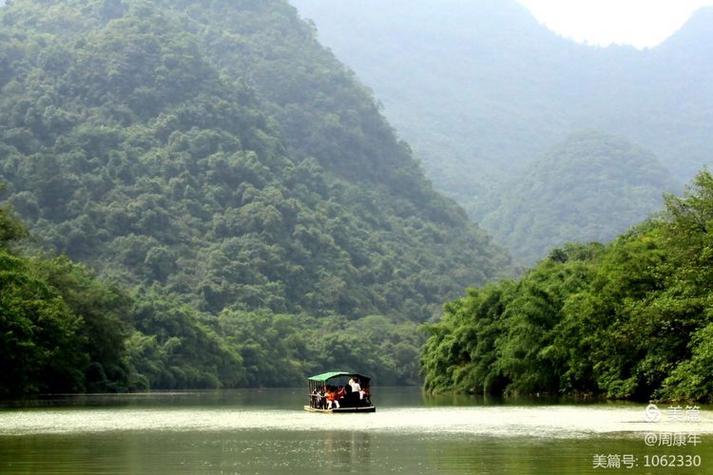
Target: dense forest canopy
[[630, 319], [217, 163], [63, 330], [482, 90], [590, 187]]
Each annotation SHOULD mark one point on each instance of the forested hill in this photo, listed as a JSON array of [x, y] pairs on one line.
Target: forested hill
[[218, 151], [483, 90], [216, 161], [631, 319], [588, 188]]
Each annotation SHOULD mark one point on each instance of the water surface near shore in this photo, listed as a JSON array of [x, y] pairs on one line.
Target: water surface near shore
[[266, 431]]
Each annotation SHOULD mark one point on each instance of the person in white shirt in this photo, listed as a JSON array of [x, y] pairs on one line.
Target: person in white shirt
[[356, 388]]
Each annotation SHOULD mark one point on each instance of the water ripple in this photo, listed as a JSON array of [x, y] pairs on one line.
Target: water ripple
[[531, 421]]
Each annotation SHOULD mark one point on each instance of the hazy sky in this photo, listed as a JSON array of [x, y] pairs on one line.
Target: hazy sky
[[640, 23]]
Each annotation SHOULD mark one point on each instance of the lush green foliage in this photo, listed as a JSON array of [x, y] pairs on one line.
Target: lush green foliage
[[481, 90], [631, 319], [60, 329], [216, 162], [219, 153], [591, 187]]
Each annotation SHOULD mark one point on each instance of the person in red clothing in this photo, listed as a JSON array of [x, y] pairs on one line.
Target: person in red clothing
[[332, 398], [364, 395]]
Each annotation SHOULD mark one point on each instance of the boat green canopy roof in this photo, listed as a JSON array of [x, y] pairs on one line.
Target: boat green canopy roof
[[335, 374]]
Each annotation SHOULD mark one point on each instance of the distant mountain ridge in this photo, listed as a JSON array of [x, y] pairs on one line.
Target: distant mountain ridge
[[481, 89], [588, 188]]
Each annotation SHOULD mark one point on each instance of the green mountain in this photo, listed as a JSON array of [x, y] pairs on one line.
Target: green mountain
[[481, 89], [215, 160], [632, 319], [591, 187]]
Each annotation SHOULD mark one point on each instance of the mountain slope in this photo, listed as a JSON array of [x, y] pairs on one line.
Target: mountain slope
[[591, 187], [489, 69], [219, 153], [481, 90], [477, 87], [217, 164]]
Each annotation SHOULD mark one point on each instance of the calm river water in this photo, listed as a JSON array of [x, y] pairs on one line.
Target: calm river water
[[266, 431]]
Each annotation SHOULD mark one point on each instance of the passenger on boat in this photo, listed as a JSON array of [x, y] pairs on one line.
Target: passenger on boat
[[332, 399], [322, 398], [314, 397], [318, 398], [354, 384], [364, 395]]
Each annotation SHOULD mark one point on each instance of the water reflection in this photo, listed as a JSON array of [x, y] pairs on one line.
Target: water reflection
[[347, 451]]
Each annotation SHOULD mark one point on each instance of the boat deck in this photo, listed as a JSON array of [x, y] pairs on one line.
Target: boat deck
[[341, 410]]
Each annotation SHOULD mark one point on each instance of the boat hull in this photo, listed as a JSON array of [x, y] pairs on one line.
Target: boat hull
[[341, 410]]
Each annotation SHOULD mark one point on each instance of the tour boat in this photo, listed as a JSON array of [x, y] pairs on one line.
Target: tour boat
[[320, 385]]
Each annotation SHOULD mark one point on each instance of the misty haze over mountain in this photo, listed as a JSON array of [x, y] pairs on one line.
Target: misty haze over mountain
[[481, 90]]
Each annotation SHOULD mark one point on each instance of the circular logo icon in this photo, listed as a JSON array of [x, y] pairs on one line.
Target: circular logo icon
[[653, 414]]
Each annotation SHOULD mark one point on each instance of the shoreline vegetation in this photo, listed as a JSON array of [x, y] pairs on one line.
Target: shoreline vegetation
[[65, 331], [631, 319]]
